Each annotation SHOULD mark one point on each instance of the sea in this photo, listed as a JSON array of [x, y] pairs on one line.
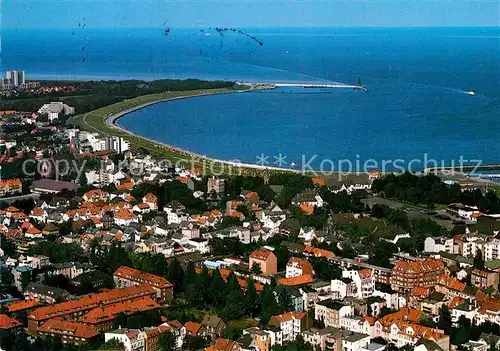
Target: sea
[[418, 110]]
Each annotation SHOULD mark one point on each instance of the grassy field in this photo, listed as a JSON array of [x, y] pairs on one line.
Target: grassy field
[[95, 121]]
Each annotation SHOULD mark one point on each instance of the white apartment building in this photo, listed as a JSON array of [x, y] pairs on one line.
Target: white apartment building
[[439, 244], [132, 339], [491, 250], [291, 324], [53, 109], [364, 280]]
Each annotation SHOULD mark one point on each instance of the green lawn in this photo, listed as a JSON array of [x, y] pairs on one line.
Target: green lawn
[[95, 121], [243, 323]]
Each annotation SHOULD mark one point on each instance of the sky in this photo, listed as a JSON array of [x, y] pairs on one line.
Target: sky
[[248, 13]]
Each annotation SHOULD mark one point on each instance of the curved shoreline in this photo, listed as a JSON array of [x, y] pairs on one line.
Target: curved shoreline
[[111, 122]]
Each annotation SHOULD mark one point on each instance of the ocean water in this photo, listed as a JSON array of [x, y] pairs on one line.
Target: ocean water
[[416, 107]]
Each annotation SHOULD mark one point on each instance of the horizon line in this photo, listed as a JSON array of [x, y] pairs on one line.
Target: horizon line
[[265, 27]]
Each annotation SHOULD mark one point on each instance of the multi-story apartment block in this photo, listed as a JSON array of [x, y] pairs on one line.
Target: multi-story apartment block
[[69, 331], [291, 324], [10, 187], [484, 279], [440, 244], [78, 307], [491, 250], [364, 280], [407, 275], [330, 311], [126, 276], [215, 186]]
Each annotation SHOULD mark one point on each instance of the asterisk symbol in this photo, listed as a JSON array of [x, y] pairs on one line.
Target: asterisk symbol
[[262, 160], [280, 160]]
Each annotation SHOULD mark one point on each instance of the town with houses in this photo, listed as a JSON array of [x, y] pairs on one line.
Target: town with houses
[[174, 259]]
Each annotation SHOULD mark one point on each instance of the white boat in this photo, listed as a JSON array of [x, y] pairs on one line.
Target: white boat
[[470, 92]]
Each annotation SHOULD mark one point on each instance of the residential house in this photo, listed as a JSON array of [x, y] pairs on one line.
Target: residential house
[[223, 345], [297, 266], [151, 200], [291, 324], [491, 250], [212, 326], [266, 260]]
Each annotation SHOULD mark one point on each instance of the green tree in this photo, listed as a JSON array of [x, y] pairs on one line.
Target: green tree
[[166, 341], [232, 333], [112, 345], [284, 299], [235, 305], [256, 268], [189, 276], [217, 289], [175, 274], [251, 299], [478, 260], [445, 322]]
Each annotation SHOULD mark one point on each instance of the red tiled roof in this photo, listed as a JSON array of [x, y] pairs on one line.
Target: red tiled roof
[[307, 208], [286, 317], [318, 252], [261, 254], [192, 328], [365, 273], [184, 180], [103, 314], [22, 305], [222, 345], [150, 198], [420, 291], [427, 265], [68, 327], [33, 230], [142, 277], [299, 280], [301, 263], [451, 283], [124, 214], [89, 302], [175, 324], [4, 183], [7, 323], [404, 314], [318, 181]]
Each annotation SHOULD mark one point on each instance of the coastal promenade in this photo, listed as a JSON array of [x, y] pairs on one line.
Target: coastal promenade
[[104, 120], [270, 85]]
